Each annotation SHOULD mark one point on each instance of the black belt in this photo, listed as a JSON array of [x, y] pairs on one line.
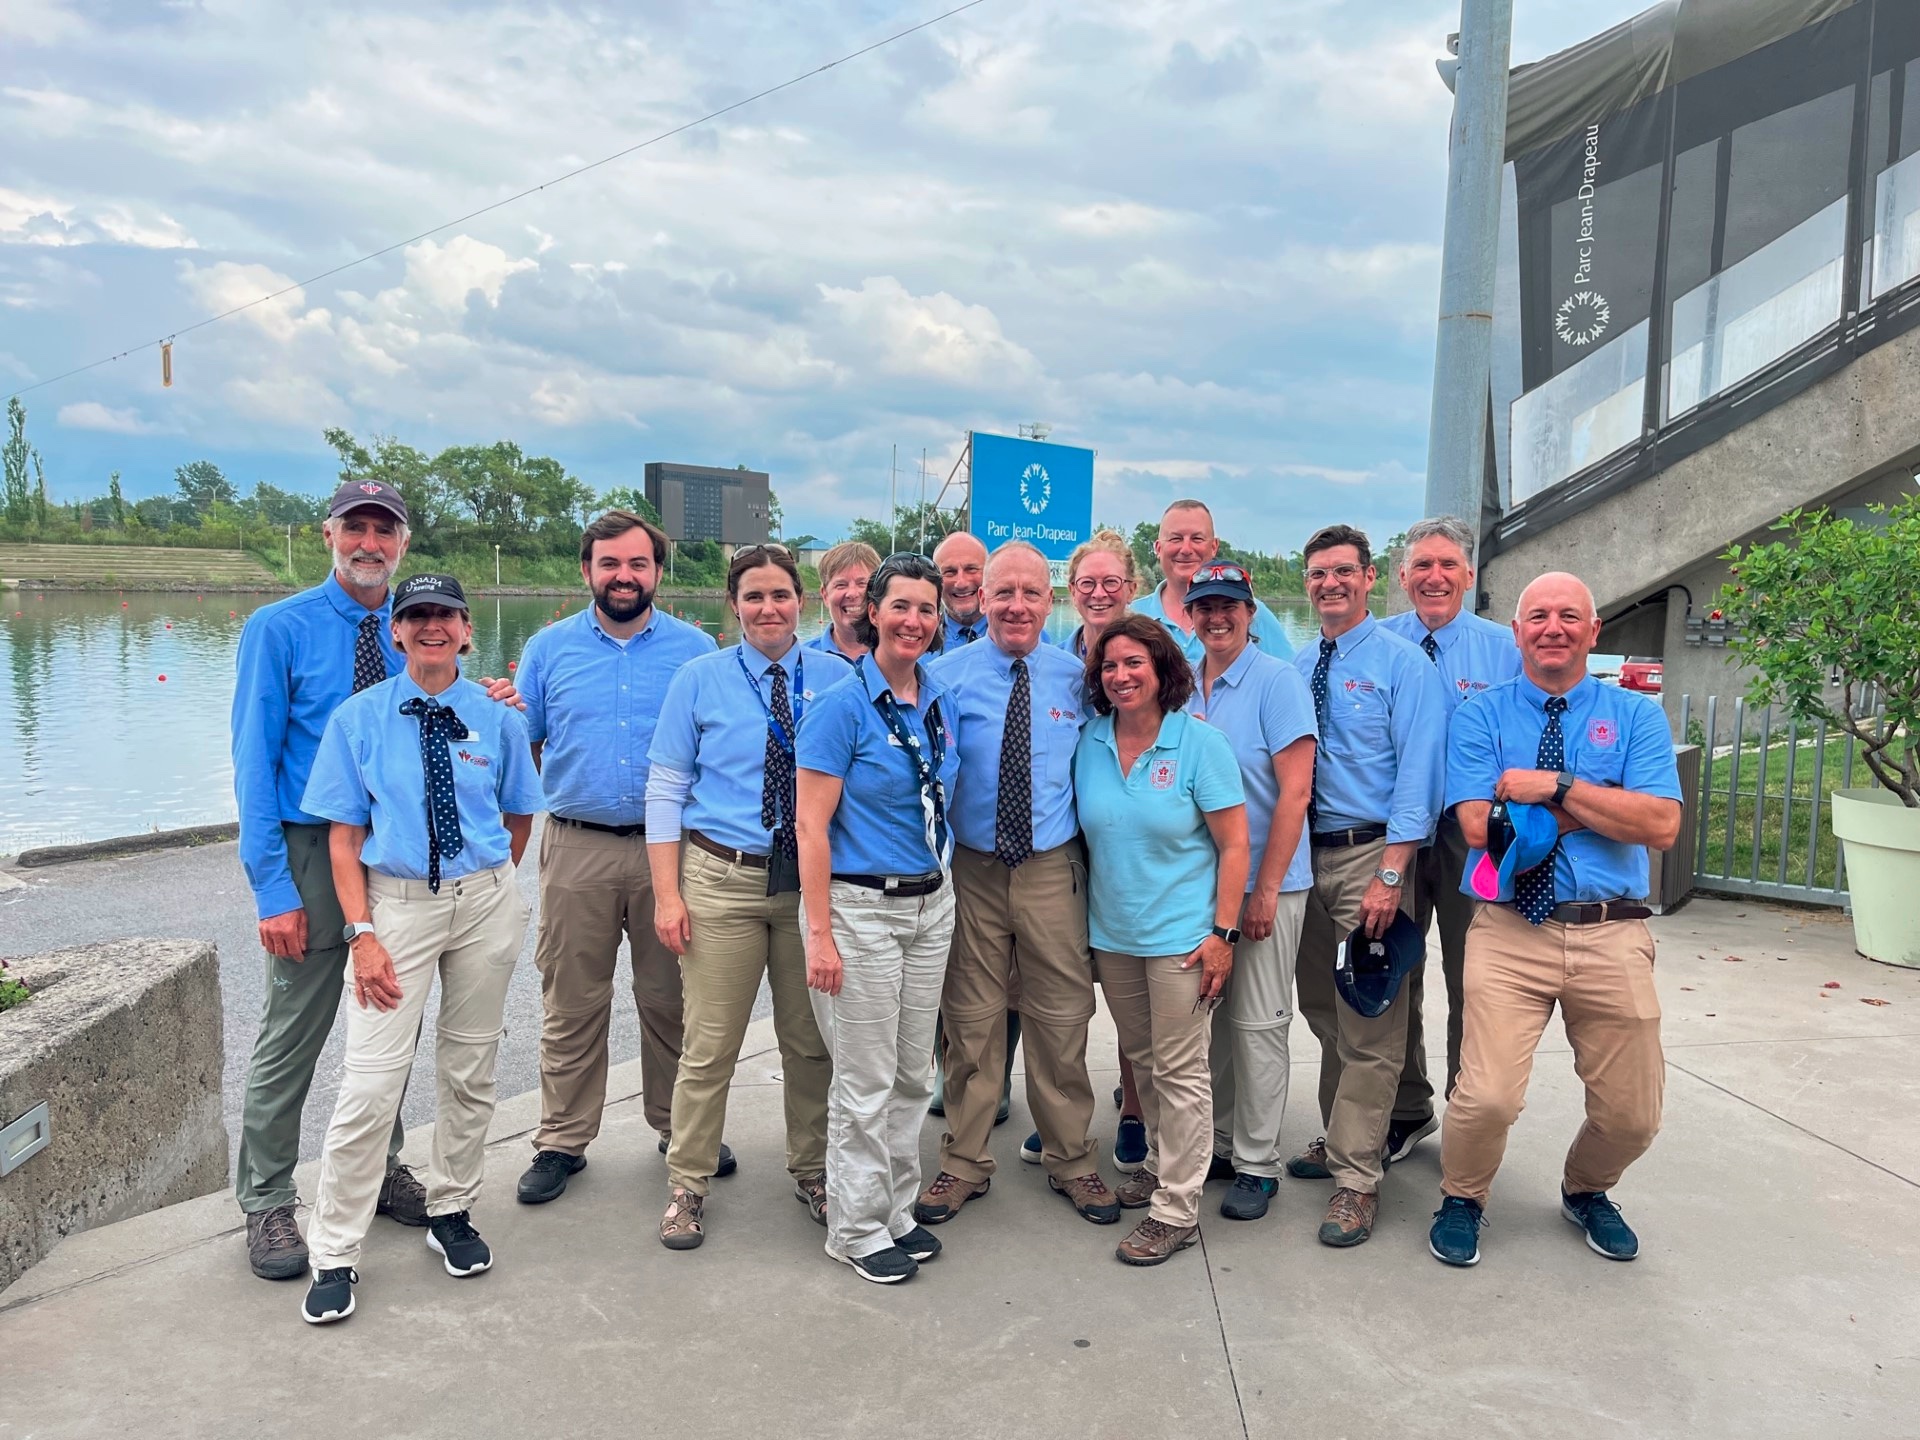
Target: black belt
[[1341, 839], [727, 852], [905, 886], [623, 831], [1598, 912]]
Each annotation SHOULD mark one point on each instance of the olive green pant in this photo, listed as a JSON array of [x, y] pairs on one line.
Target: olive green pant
[[303, 998]]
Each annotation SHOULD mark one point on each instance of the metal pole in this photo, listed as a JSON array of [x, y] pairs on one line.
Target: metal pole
[[893, 502], [289, 553], [921, 548], [1463, 349], [496, 566]]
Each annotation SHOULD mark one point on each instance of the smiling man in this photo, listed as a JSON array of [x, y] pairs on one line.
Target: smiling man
[[962, 561], [1186, 543]]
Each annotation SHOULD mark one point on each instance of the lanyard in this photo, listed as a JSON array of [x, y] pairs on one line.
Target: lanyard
[[933, 799], [796, 697]]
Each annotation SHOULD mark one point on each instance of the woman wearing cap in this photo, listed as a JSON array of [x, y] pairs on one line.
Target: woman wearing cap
[[1264, 708], [727, 901], [431, 790], [1165, 819], [843, 596], [877, 760]]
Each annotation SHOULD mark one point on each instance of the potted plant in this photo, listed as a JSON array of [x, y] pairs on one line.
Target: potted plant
[[1829, 616]]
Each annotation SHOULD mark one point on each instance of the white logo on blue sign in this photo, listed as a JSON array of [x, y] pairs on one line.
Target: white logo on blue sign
[[1036, 488]]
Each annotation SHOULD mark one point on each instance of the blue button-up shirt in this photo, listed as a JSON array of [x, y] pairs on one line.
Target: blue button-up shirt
[[1267, 633], [1475, 653], [824, 642], [980, 679], [1609, 737], [1262, 706], [370, 770], [879, 827], [714, 730], [958, 635], [295, 667], [593, 702], [1382, 755]]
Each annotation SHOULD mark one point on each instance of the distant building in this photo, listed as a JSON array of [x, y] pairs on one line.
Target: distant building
[[703, 502]]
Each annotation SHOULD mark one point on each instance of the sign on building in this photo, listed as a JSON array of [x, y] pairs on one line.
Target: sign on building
[[1034, 491]]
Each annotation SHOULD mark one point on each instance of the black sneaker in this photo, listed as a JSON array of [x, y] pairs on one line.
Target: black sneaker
[[1607, 1233], [1249, 1197], [920, 1243], [1455, 1236], [274, 1247], [402, 1197], [546, 1178], [1220, 1167], [722, 1167], [1403, 1135], [330, 1297], [454, 1240], [886, 1267]]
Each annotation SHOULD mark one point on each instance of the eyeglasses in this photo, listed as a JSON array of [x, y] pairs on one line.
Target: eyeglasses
[[1337, 572], [1110, 584]]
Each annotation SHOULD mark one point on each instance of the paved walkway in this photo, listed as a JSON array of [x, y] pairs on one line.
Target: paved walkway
[[1778, 1293]]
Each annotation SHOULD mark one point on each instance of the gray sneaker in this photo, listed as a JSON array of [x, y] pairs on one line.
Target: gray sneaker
[[274, 1247]]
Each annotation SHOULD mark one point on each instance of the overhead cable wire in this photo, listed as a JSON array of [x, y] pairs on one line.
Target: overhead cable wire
[[501, 204]]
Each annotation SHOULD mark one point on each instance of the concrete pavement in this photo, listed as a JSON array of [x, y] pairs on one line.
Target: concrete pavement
[[1778, 1291]]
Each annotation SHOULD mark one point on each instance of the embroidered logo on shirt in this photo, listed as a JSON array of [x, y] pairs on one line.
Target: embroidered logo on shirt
[[1161, 776], [1602, 732], [1365, 687], [1466, 684], [1058, 714], [472, 759]]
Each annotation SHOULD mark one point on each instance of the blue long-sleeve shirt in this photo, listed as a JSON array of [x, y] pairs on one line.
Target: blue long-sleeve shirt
[[295, 668], [1473, 653]]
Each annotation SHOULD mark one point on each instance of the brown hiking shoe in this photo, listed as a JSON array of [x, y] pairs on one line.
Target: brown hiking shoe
[[1349, 1218], [402, 1197], [680, 1226], [1136, 1191], [811, 1191], [1311, 1163], [1090, 1196], [1153, 1242], [274, 1247], [941, 1200]]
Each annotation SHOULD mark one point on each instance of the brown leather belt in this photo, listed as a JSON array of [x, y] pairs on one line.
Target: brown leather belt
[[1341, 839], [727, 852], [1599, 912]]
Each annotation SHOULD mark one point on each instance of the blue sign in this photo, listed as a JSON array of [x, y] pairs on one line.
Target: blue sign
[[1030, 490]]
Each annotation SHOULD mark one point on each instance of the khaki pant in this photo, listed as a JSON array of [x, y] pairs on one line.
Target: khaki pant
[[1034, 916], [1601, 976], [469, 935], [593, 888], [1436, 891], [1249, 1044], [1164, 1033], [1360, 1058], [739, 934]]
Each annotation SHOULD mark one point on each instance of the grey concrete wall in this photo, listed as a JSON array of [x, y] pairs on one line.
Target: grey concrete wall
[[123, 1040]]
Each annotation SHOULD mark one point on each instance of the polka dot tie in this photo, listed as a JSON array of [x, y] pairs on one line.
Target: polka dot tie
[[967, 635], [369, 659], [1013, 815], [438, 725], [777, 788], [1533, 891], [1432, 647], [1327, 647]]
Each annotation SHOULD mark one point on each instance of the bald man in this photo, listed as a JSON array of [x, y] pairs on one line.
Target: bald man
[[962, 562], [1573, 932], [1187, 543]]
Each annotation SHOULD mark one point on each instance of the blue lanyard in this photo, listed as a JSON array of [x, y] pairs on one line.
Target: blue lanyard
[[932, 792], [796, 696]]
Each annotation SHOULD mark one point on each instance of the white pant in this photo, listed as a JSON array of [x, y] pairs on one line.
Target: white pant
[[879, 1029], [1249, 1049], [471, 934]]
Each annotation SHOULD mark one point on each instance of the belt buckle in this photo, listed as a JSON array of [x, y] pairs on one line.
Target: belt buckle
[[889, 884]]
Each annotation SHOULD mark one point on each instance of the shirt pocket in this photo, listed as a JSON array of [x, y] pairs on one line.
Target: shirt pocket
[[476, 777], [1359, 723], [1598, 764]]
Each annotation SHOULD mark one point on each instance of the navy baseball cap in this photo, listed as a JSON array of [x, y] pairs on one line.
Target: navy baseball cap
[[355, 493], [1223, 579], [428, 589], [1519, 837], [1368, 972]]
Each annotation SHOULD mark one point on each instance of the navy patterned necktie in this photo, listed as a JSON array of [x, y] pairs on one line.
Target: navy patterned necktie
[[438, 725], [1533, 891], [1432, 647], [968, 634], [369, 658], [1327, 647], [1013, 815], [777, 788]]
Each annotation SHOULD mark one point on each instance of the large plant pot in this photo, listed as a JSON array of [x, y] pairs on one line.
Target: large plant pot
[[1882, 840]]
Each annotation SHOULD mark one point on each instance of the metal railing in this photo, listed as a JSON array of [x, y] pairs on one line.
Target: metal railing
[[1764, 789]]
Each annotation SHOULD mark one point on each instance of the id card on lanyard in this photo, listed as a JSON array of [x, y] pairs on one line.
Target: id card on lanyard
[[933, 798]]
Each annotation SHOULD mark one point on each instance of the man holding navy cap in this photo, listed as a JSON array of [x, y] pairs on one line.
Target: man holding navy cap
[[1600, 761]]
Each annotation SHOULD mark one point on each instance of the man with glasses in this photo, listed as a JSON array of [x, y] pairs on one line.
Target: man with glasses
[[1378, 776], [962, 561], [1186, 543]]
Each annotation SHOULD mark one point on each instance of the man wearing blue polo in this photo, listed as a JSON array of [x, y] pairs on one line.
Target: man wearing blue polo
[[594, 683], [1471, 655], [1186, 543], [962, 560], [1377, 786], [1019, 875], [1573, 934]]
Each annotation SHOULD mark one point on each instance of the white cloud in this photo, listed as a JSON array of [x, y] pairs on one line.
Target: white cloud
[[226, 286], [935, 336], [445, 275], [27, 219], [92, 415]]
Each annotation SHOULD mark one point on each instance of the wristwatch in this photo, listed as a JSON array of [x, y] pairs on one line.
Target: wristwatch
[[1561, 786], [356, 928], [1228, 934], [1389, 877]]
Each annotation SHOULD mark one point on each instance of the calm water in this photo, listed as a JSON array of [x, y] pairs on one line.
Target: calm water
[[96, 743]]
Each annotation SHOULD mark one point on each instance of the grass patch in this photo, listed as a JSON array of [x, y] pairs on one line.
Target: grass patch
[[1763, 787]]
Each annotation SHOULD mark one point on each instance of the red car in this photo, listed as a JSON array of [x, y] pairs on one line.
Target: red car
[[1641, 674]]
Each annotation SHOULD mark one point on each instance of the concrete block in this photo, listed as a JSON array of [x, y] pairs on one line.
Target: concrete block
[[123, 1040]]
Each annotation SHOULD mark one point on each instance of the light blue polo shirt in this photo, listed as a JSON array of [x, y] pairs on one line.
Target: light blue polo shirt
[[1609, 737], [1267, 633], [594, 700], [1152, 871], [879, 827], [958, 635], [1474, 653], [824, 642], [980, 679], [369, 770], [712, 728], [1383, 741], [1261, 705]]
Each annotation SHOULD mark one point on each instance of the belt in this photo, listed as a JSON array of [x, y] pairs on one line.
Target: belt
[[1341, 839], [623, 831], [727, 852], [905, 886], [1599, 912]]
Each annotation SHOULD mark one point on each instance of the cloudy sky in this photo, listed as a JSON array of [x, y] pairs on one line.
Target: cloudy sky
[[1199, 237]]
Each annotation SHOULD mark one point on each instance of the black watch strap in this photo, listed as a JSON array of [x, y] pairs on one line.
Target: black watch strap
[[1562, 786], [1231, 936]]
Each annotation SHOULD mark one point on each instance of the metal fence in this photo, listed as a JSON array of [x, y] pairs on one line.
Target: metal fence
[[1765, 784]]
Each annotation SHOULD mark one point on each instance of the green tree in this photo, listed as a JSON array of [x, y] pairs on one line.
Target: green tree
[[400, 467], [776, 520], [284, 507], [910, 525], [39, 491], [201, 487], [116, 502], [802, 542], [15, 498], [625, 497], [513, 498]]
